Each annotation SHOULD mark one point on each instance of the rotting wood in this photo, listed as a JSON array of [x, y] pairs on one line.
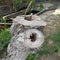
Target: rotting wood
[[24, 41]]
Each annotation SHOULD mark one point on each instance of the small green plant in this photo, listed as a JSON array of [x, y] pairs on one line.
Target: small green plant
[[41, 6], [31, 57], [5, 37]]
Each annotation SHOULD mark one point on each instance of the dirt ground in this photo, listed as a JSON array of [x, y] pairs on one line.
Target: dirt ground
[[53, 24], [50, 57]]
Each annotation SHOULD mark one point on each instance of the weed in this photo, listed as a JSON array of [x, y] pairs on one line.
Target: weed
[[5, 37]]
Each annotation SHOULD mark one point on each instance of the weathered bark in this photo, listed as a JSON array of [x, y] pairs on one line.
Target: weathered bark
[[25, 40], [21, 45]]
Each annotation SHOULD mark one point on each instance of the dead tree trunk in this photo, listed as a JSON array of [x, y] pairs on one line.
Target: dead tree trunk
[[26, 37]]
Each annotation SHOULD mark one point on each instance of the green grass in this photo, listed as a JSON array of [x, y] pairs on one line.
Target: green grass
[[56, 37]]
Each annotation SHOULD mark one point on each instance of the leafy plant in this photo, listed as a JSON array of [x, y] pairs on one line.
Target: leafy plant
[[41, 6], [32, 57], [5, 37]]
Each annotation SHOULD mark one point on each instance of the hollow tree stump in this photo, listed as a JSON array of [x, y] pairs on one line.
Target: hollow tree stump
[[26, 37]]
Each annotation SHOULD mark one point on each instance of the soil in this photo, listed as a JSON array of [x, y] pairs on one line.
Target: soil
[[50, 57]]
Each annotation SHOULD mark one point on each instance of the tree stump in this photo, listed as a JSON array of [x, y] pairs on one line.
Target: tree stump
[[26, 37]]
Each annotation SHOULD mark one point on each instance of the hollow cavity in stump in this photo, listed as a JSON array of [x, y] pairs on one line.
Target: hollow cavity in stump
[[33, 37], [29, 18]]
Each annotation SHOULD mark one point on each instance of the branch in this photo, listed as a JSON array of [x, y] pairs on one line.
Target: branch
[[5, 23], [45, 10]]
